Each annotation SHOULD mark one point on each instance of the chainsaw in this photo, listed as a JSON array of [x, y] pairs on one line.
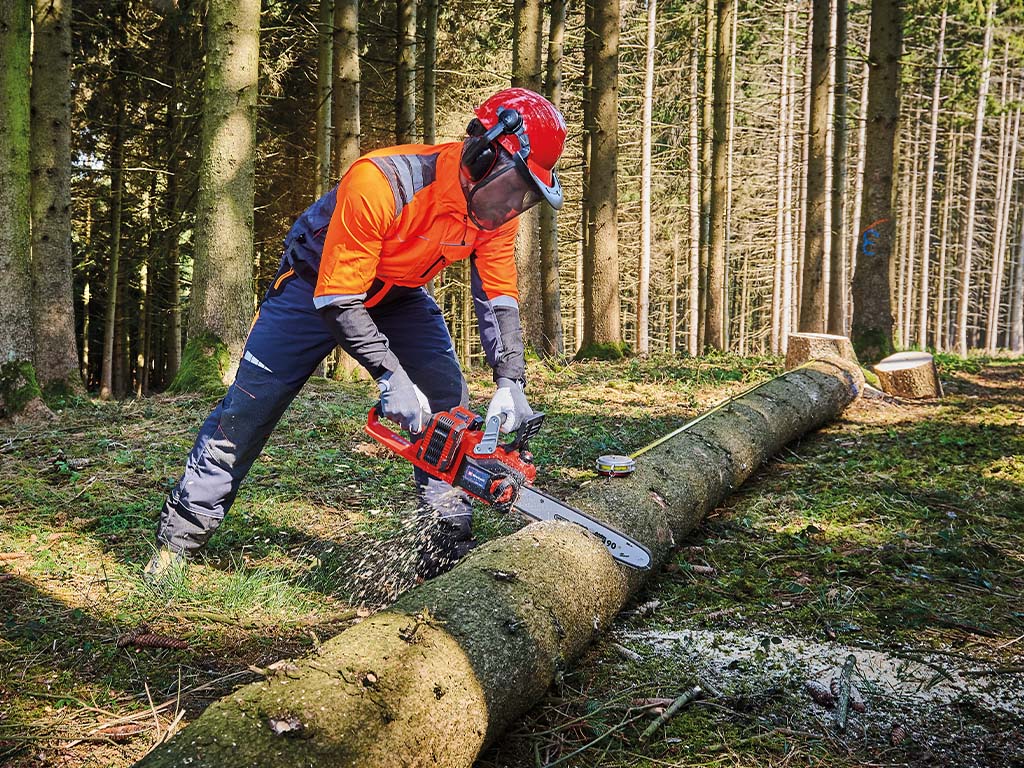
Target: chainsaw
[[459, 448]]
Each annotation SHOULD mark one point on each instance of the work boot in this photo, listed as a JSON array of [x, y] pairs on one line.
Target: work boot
[[165, 564]]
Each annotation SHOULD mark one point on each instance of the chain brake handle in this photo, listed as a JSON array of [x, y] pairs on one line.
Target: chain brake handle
[[526, 432]]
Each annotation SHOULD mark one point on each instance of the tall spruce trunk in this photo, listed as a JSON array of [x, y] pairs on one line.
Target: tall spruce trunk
[[872, 326], [56, 348], [324, 77], [177, 167], [929, 187], [18, 385], [114, 269], [780, 274], [716, 310], [345, 91], [1017, 301], [941, 331], [643, 299], [429, 109], [527, 72], [837, 304], [693, 284], [602, 324], [1004, 221], [966, 262], [552, 332], [706, 150], [405, 72], [222, 277], [812, 295]]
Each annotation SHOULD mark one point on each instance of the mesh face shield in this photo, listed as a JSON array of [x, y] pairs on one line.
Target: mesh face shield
[[506, 191]]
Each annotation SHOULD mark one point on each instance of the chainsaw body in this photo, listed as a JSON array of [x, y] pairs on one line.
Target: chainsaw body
[[458, 448]]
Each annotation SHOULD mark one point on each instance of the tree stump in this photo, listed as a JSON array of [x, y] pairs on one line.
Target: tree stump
[[803, 347], [910, 375]]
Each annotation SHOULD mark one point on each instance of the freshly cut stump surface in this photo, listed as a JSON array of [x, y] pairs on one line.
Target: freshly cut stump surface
[[455, 662], [910, 375]]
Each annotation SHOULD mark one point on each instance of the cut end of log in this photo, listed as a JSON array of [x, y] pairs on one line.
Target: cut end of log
[[837, 350], [909, 375]]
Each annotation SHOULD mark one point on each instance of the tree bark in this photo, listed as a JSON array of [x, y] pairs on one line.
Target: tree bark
[[1017, 295], [439, 675], [706, 150], [941, 331], [429, 118], [553, 337], [872, 309], [56, 348], [176, 166], [405, 72], [222, 282], [929, 188], [716, 310], [816, 202], [837, 309], [527, 71], [345, 92], [324, 69], [602, 324], [780, 274], [693, 291], [966, 263], [1004, 222], [643, 300], [18, 387]]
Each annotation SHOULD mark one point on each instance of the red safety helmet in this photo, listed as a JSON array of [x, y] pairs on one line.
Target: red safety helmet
[[532, 131]]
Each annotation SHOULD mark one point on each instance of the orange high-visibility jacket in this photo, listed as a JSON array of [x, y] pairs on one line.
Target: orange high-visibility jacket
[[400, 218]]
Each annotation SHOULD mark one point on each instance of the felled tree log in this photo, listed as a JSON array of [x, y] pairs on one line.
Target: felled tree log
[[910, 375], [432, 680]]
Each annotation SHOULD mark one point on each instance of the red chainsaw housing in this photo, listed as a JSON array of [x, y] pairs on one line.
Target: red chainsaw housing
[[446, 451]]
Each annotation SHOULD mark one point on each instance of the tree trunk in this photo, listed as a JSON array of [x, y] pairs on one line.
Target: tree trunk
[[222, 282], [345, 92], [552, 333], [872, 308], [1017, 301], [812, 294], [966, 264], [18, 387], [940, 282], [324, 62], [706, 149], [176, 166], [858, 175], [929, 188], [1004, 221], [56, 348], [405, 72], [716, 310], [527, 68], [693, 291], [643, 299], [602, 325], [837, 310], [429, 118], [456, 661], [780, 274], [116, 160]]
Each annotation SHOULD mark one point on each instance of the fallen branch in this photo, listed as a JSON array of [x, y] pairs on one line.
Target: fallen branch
[[669, 713], [843, 697]]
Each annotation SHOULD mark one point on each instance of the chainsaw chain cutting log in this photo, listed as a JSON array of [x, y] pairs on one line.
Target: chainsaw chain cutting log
[[455, 662]]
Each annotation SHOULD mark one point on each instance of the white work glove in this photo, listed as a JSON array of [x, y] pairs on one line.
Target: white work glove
[[509, 404], [402, 402]]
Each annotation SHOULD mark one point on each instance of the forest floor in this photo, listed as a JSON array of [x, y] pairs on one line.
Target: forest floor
[[895, 536]]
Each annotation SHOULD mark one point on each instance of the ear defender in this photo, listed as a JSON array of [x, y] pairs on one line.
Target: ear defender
[[478, 154]]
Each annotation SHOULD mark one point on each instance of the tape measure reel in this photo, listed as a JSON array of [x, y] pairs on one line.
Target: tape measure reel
[[613, 465]]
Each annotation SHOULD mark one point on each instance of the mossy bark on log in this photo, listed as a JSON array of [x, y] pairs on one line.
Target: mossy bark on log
[[432, 680]]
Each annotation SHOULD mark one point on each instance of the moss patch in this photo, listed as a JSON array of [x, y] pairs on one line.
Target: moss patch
[[604, 351], [204, 364], [18, 387]]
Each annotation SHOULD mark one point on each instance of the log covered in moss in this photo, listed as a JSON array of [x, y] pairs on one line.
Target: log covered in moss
[[432, 680]]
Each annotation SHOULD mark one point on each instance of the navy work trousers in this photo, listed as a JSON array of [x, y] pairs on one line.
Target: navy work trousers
[[287, 343]]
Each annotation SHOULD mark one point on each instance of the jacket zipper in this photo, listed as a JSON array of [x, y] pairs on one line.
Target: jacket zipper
[[428, 270]]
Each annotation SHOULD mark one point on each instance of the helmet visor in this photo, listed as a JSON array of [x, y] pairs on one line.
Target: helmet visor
[[504, 193]]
